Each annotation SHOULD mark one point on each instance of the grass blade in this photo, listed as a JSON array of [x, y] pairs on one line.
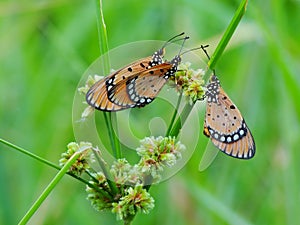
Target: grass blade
[[103, 45], [49, 188], [228, 34]]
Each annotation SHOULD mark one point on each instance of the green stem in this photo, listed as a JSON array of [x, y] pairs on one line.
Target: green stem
[[49, 188], [22, 150], [128, 220], [108, 123], [174, 115], [105, 171], [118, 152], [228, 34], [181, 119], [102, 36], [103, 45]]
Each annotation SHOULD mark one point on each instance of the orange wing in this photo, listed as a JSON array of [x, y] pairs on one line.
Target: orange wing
[[97, 96], [140, 89], [125, 88], [225, 125]]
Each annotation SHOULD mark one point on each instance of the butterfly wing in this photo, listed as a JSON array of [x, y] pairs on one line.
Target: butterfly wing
[[140, 89], [225, 125], [97, 96]]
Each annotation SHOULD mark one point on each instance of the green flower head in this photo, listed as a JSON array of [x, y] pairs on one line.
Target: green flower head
[[136, 199], [158, 152], [81, 163], [190, 82]]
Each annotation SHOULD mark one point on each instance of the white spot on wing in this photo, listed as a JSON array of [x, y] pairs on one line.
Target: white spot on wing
[[130, 86], [242, 132], [236, 137], [229, 139]]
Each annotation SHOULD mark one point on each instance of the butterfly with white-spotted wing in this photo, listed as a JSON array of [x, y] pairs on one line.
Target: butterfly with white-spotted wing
[[136, 84], [225, 125]]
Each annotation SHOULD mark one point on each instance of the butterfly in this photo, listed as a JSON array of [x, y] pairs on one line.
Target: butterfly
[[134, 85], [224, 124]]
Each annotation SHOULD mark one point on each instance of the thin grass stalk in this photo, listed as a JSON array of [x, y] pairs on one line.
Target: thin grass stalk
[[49, 188], [228, 34], [103, 46], [174, 115]]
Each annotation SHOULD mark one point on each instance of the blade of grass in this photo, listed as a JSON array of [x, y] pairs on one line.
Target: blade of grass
[[181, 119], [24, 151], [228, 34], [174, 115], [118, 152], [105, 171], [49, 188], [102, 35], [103, 45]]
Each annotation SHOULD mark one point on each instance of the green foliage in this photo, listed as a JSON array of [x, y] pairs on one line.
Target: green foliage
[[45, 48]]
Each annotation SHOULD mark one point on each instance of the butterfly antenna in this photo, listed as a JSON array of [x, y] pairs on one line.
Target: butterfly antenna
[[184, 39], [206, 53], [171, 40], [203, 47]]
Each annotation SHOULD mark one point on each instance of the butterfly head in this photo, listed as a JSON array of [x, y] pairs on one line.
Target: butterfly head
[[214, 79], [213, 89], [161, 52], [157, 58]]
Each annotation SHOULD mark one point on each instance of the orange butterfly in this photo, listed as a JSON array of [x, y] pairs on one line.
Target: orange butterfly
[[134, 85], [224, 124]]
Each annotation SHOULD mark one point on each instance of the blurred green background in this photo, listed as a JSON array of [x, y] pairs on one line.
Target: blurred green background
[[45, 47]]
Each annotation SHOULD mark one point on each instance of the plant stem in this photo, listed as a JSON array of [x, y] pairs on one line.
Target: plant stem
[[181, 119], [24, 151], [103, 45], [128, 220], [49, 188], [228, 34], [118, 152], [174, 115], [108, 123], [105, 171], [102, 35]]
